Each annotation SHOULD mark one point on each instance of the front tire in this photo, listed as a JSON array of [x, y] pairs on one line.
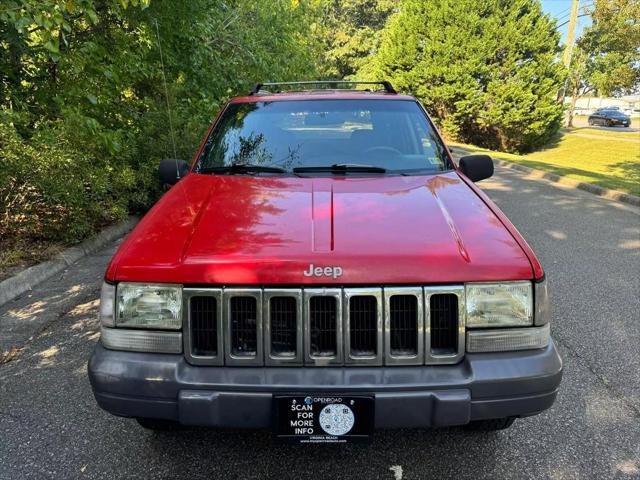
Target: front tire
[[158, 424], [492, 425]]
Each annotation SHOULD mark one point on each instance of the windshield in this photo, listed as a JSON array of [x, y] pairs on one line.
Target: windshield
[[395, 136]]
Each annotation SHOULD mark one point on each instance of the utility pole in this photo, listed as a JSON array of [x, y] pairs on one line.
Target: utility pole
[[566, 58]]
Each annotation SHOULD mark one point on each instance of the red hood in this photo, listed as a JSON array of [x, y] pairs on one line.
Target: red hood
[[267, 230]]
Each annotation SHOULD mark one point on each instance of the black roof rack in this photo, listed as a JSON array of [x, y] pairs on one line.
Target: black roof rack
[[385, 84]]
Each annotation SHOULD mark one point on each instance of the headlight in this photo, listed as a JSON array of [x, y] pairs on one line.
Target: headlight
[[508, 304], [149, 306]]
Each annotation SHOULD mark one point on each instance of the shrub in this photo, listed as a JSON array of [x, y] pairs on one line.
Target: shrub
[[486, 69], [51, 189]]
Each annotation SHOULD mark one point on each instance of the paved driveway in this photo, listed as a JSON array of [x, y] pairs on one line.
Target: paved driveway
[[50, 426]]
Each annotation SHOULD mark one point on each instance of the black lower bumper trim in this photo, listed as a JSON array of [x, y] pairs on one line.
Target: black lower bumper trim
[[482, 386]]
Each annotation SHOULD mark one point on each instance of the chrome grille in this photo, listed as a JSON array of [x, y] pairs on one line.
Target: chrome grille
[[399, 322], [282, 319], [243, 326], [282, 326], [403, 323], [243, 313], [444, 323], [325, 326], [204, 331], [444, 343], [203, 310], [363, 326], [322, 326]]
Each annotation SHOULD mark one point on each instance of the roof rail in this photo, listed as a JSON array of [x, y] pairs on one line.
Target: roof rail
[[385, 84]]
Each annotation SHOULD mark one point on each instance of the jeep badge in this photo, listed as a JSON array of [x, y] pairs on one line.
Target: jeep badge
[[333, 272]]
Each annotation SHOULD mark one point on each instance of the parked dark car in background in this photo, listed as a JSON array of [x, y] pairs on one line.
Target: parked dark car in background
[[609, 118]]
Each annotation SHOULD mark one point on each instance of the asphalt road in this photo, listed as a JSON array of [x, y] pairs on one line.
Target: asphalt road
[[50, 426], [583, 123]]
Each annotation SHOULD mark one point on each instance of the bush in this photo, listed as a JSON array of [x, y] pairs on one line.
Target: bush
[[50, 189], [487, 70], [84, 93]]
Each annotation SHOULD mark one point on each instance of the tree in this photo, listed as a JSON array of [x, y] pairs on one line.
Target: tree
[[612, 45], [576, 82], [350, 33], [83, 107], [486, 69], [606, 59]]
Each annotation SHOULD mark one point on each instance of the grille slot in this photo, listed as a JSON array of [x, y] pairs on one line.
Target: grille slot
[[243, 315], [323, 316], [284, 328], [444, 323], [363, 326], [403, 325], [204, 326]]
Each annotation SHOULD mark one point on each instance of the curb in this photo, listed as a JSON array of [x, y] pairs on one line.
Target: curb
[[24, 281], [614, 195]]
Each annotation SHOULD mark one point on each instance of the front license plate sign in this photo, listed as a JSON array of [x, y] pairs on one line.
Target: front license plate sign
[[323, 418]]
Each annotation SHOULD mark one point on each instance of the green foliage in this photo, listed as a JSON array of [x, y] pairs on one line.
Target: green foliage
[[52, 187], [486, 69], [610, 48], [83, 102], [350, 33], [83, 110]]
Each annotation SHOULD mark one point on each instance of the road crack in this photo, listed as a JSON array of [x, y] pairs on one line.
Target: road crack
[[601, 378]]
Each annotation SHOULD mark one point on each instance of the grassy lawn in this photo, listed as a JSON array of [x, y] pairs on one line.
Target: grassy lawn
[[602, 161]]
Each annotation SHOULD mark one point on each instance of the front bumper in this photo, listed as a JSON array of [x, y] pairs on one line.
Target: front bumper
[[624, 123], [481, 386]]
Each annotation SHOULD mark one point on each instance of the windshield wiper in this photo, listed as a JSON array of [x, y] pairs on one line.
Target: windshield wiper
[[341, 168], [242, 168]]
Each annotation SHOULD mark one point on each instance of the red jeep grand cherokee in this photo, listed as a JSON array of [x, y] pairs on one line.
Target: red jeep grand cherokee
[[325, 269]]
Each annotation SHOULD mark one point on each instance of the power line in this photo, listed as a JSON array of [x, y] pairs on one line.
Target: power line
[[563, 13], [166, 95], [562, 16], [568, 21]]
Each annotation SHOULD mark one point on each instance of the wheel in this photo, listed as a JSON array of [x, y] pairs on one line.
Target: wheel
[[491, 425], [608, 123], [158, 424]]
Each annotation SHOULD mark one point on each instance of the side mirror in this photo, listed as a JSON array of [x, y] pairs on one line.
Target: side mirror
[[171, 170], [476, 167]]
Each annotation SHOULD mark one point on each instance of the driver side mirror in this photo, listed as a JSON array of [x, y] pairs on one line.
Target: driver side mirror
[[476, 167], [171, 170]]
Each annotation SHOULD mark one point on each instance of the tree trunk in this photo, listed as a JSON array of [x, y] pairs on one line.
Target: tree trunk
[[574, 99]]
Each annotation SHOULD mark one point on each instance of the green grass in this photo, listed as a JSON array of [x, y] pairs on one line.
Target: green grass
[[601, 161]]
